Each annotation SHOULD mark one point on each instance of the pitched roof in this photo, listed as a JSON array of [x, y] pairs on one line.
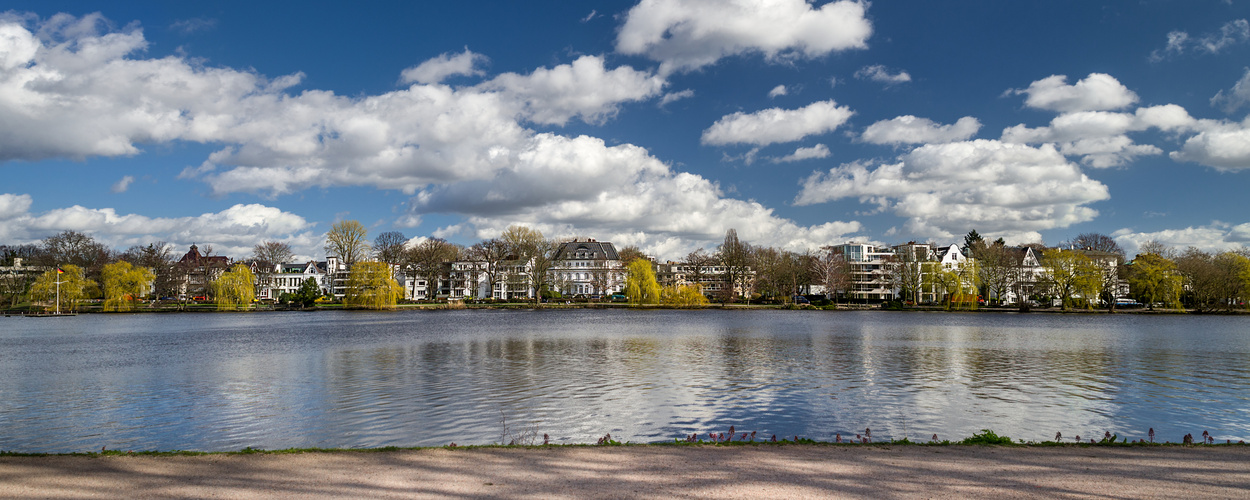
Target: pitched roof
[[596, 249]]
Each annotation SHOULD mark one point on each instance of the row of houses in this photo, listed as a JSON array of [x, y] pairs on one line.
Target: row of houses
[[873, 271], [590, 268]]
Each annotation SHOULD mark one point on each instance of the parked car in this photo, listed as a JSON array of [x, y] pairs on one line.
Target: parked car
[[617, 298], [799, 299]]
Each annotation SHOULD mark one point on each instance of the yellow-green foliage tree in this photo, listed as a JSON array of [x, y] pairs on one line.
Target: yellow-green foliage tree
[[370, 285], [74, 285], [124, 284], [640, 285], [683, 296], [1072, 275], [234, 289], [1154, 278]]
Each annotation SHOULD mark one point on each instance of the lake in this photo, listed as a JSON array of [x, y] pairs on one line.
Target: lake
[[219, 382]]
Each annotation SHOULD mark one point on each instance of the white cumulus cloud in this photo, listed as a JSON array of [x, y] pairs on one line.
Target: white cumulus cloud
[[690, 34], [912, 130], [776, 125], [1215, 237], [1000, 189], [563, 185], [231, 232], [776, 91], [445, 65], [800, 154], [1096, 92]]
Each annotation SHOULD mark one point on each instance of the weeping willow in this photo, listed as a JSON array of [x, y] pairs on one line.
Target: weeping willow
[[640, 285], [370, 286], [235, 289], [124, 284], [683, 296]]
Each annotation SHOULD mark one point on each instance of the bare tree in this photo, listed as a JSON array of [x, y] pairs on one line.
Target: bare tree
[[389, 247], [349, 241], [1097, 242], [735, 256], [491, 254], [72, 247], [832, 271], [630, 254], [429, 259], [273, 252]]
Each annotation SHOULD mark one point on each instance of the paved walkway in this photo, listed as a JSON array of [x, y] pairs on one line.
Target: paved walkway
[[651, 472]]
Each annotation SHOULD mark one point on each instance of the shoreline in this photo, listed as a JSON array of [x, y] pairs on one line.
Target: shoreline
[[201, 309], [695, 471]]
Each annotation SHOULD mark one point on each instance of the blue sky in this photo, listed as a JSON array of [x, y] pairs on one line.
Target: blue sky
[[659, 124]]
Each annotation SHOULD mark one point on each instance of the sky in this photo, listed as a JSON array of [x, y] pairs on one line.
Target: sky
[[660, 124]]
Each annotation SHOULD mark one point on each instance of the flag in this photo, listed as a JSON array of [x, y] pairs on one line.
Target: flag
[[60, 271]]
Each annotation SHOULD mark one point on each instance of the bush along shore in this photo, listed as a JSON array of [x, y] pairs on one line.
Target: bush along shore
[[732, 437]]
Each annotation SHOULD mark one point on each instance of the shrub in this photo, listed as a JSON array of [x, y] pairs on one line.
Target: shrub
[[986, 436]]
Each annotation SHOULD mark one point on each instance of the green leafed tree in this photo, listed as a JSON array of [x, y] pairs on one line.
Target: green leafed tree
[[124, 284], [640, 284], [370, 286], [1071, 276], [234, 289], [1154, 278], [72, 290]]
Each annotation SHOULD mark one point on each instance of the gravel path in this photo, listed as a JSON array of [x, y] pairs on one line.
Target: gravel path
[[794, 471]]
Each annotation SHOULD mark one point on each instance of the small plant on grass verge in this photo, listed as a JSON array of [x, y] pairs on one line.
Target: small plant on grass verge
[[986, 436]]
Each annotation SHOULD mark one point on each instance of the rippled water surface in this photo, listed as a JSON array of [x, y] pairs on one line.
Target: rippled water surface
[[351, 379]]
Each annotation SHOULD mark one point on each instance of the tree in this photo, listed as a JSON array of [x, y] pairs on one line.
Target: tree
[[268, 256], [1154, 278], [15, 285], [973, 242], [306, 296], [697, 264], [28, 253], [72, 287], [234, 289], [74, 248], [683, 296], [124, 283], [769, 272], [735, 256], [904, 270], [640, 284], [389, 247], [491, 254], [947, 284], [349, 241], [427, 260], [534, 256], [1214, 280], [998, 270], [157, 256], [273, 252], [1071, 275], [370, 286], [832, 271], [1097, 242], [630, 254]]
